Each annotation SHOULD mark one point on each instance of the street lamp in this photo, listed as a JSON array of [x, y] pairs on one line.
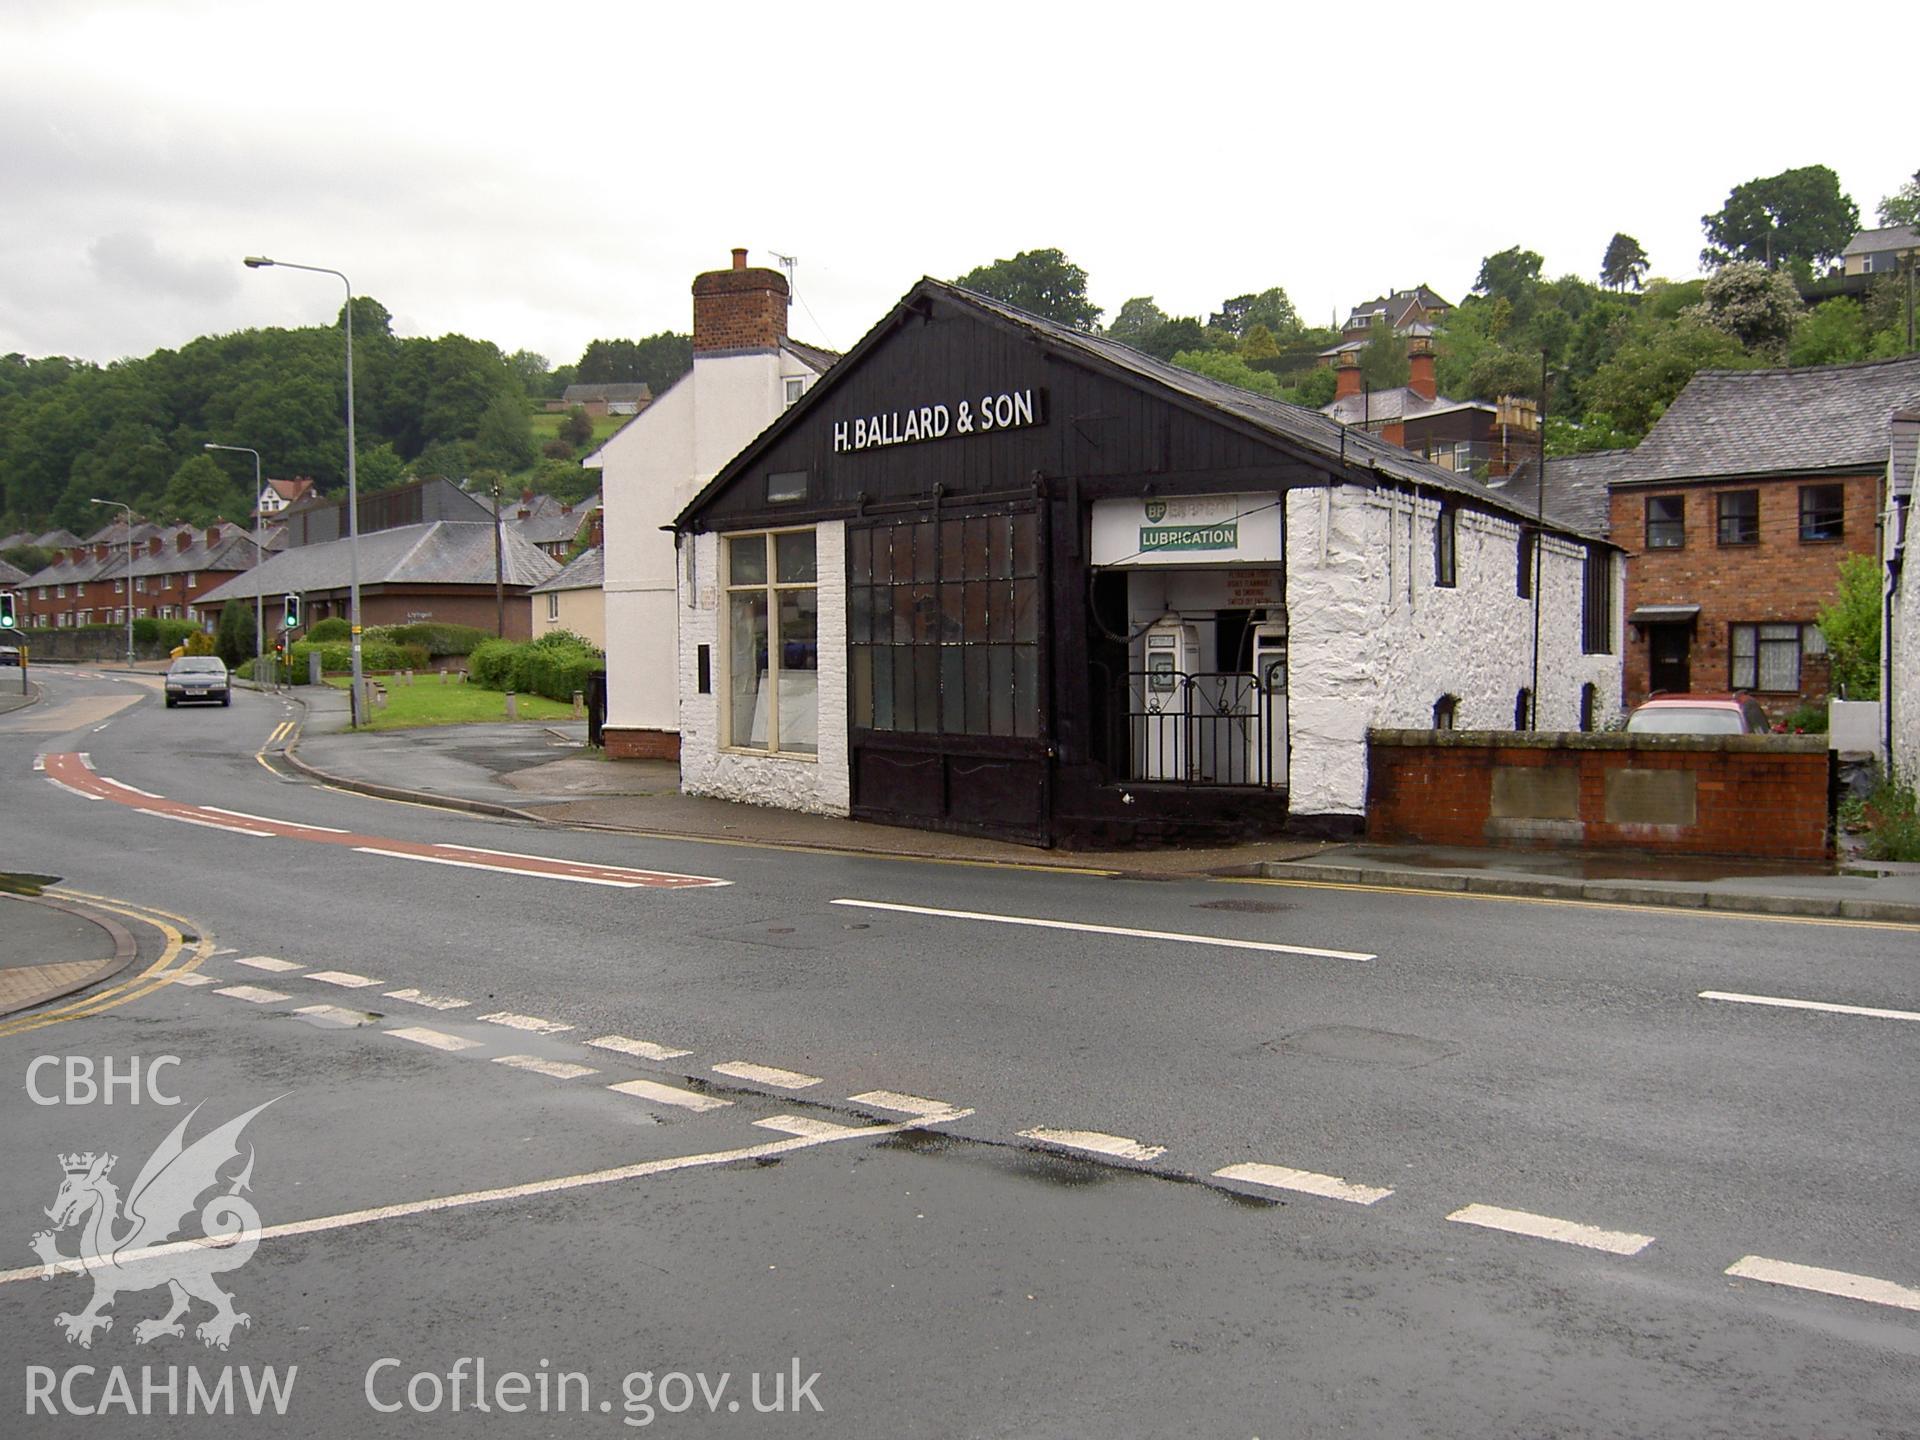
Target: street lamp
[[129, 579], [259, 555], [256, 262]]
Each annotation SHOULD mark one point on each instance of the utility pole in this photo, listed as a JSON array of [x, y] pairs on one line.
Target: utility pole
[[499, 567], [1540, 525]]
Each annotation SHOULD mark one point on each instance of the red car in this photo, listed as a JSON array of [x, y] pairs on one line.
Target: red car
[[1699, 715]]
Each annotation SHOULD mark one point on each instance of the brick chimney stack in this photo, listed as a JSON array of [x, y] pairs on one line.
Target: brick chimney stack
[[1347, 375], [1420, 377], [744, 308], [184, 541]]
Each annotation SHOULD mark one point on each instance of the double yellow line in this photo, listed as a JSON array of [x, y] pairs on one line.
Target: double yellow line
[[178, 957]]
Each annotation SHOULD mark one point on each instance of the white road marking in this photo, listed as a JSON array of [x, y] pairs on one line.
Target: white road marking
[[73, 790], [767, 1075], [269, 820], [1546, 1227], [267, 962], [1305, 1182], [553, 1069], [1785, 1004], [122, 785], [432, 1002], [526, 1022], [86, 759], [644, 1049], [334, 1015], [1178, 936], [40, 762], [420, 1035], [668, 1095], [254, 994], [1118, 1146], [905, 1104], [1827, 1282], [642, 1170], [802, 1125], [345, 979], [204, 824], [193, 977], [503, 869]]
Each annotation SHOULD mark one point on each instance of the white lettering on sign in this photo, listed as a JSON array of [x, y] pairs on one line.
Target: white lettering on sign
[[1008, 410]]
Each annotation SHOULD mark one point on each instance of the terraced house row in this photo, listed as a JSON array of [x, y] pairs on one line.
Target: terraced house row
[[170, 569]]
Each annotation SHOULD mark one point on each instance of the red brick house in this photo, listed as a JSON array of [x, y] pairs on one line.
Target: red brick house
[[1735, 513], [172, 568], [1469, 437]]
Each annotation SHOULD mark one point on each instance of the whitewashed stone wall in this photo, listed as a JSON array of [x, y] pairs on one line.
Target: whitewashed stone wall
[[1374, 642], [1901, 680], [820, 784]]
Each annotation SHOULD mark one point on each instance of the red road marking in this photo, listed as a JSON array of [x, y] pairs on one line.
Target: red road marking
[[70, 771]]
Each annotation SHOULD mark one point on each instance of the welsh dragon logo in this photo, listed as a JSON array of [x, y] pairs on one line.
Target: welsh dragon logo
[[139, 1247]]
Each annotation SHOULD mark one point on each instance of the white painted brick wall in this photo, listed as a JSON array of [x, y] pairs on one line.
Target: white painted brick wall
[[819, 785], [1373, 642]]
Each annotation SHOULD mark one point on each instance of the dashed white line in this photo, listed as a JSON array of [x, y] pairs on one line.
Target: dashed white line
[[269, 820], [431, 1002], [767, 1075], [1546, 1227], [267, 962], [1095, 1142], [1785, 1004], [904, 1104], [643, 1049], [553, 1069], [812, 1129], [669, 1095], [1826, 1282], [531, 1023], [1304, 1182], [334, 1015], [345, 979], [1176, 936], [435, 1039], [193, 977], [205, 824], [254, 994]]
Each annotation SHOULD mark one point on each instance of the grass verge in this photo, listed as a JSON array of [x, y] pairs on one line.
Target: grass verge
[[430, 702]]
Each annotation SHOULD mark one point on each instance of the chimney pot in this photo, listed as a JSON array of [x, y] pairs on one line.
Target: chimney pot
[[1347, 376], [1420, 376], [739, 258], [742, 309]]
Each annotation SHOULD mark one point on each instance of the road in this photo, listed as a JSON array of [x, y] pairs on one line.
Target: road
[[604, 1106]]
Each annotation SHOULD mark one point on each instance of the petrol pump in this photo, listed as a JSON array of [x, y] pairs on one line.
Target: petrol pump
[[1267, 739], [1162, 739]]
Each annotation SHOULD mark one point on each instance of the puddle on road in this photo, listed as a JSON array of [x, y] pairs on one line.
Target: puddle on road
[[1247, 907]]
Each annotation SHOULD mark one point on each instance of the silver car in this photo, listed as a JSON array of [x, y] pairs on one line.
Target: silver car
[[198, 678]]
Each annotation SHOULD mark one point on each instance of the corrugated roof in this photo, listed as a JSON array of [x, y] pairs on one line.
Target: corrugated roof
[[1765, 422], [441, 552], [586, 572]]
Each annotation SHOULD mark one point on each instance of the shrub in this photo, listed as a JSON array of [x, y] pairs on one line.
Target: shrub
[[1893, 823], [555, 665], [163, 634], [336, 657], [335, 628], [1807, 720], [439, 638]]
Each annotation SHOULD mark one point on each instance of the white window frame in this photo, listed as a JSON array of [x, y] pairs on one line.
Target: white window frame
[[770, 587], [794, 387], [553, 605], [1745, 664]]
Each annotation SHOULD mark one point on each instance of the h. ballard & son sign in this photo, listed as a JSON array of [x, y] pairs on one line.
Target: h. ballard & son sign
[[1007, 410]]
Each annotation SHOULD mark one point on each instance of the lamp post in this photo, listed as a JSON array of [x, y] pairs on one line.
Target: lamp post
[[259, 555], [256, 262], [129, 580]]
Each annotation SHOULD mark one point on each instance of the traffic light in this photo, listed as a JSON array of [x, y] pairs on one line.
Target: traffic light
[[7, 622], [290, 612]]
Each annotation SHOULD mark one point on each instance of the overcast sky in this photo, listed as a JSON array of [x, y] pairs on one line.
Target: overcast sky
[[540, 176]]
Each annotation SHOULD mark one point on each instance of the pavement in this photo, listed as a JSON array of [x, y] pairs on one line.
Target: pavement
[[53, 947], [546, 773]]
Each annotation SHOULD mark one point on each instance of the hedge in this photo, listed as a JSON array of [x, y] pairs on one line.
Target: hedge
[[438, 638], [165, 634], [555, 665], [325, 631], [336, 657]]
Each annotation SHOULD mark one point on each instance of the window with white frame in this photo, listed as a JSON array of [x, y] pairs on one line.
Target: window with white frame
[[796, 387], [1766, 658], [79, 592], [553, 605], [772, 634], [63, 592]]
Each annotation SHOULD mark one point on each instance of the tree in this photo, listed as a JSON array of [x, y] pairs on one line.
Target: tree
[[1170, 337], [1258, 343], [1757, 306], [1135, 320], [1634, 388], [1509, 276], [1315, 388], [657, 362], [1903, 206], [533, 371], [201, 492], [1625, 263], [1041, 282], [1383, 363], [1218, 365], [1832, 333], [234, 640], [577, 428], [1851, 626], [1796, 220]]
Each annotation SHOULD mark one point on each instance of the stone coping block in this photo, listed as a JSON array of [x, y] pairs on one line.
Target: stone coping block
[[1607, 740]]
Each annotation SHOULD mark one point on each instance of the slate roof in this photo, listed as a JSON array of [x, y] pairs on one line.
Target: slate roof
[[812, 356], [1890, 237], [1576, 493], [12, 574], [613, 392], [54, 539], [1360, 455], [1778, 422], [585, 573], [233, 551], [441, 552], [1400, 403]]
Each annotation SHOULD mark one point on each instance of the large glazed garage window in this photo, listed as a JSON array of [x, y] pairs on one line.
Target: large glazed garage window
[[773, 650]]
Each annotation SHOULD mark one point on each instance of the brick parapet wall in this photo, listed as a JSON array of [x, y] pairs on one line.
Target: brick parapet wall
[[1757, 796], [640, 744]]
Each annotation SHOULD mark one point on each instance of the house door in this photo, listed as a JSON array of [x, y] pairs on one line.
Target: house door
[[1668, 667]]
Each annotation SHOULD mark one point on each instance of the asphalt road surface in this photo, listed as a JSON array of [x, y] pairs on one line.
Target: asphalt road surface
[[634, 1134]]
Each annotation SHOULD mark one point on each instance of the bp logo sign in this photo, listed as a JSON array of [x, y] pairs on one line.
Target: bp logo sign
[[1156, 511]]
